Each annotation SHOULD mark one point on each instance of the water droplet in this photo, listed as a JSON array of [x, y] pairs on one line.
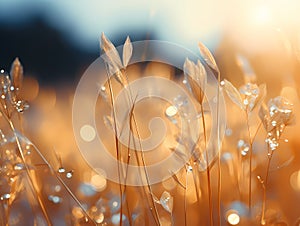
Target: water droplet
[[250, 89], [189, 168], [27, 149], [2, 137], [61, 170], [233, 218], [69, 174], [103, 93], [260, 179], [166, 201], [274, 123], [19, 166], [114, 204], [21, 105], [243, 147], [273, 143], [171, 111], [280, 104], [250, 92], [55, 199], [5, 196], [4, 83]]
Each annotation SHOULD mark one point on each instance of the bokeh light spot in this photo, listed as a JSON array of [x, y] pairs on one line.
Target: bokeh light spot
[[87, 133]]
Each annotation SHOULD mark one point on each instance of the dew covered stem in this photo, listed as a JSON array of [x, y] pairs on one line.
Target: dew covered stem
[[264, 186], [250, 161]]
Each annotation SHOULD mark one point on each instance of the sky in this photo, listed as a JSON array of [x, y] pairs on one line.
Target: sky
[[183, 22]]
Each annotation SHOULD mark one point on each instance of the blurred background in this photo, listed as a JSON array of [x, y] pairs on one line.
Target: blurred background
[[56, 41]]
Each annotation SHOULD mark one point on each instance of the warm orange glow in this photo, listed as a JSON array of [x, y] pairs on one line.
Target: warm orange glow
[[233, 218]]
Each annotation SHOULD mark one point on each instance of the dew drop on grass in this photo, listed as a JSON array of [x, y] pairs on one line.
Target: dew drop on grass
[[5, 196], [171, 111], [19, 166], [55, 199], [243, 147], [166, 200], [61, 170], [69, 174]]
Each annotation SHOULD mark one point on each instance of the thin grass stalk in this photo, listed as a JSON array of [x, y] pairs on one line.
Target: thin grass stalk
[[125, 182], [38, 195], [127, 165], [117, 146], [142, 153], [7, 117], [20, 118], [219, 151], [56, 175], [210, 204], [264, 185], [126, 173], [146, 172], [185, 200], [251, 140], [63, 183], [250, 161], [138, 160]]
